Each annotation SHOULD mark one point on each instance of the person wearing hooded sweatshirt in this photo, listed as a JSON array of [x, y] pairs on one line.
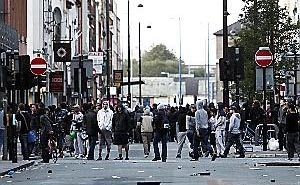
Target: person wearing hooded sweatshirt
[[121, 128], [234, 133], [201, 118], [104, 118], [145, 123], [161, 128], [220, 131]]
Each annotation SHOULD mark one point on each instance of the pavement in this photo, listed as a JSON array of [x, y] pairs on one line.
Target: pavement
[[7, 167]]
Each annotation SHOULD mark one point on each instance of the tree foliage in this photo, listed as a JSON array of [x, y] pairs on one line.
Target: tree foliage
[[159, 59], [265, 24], [160, 53]]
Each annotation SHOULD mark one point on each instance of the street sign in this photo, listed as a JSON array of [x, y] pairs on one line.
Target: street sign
[[38, 66], [56, 81], [269, 78], [97, 58], [263, 57]]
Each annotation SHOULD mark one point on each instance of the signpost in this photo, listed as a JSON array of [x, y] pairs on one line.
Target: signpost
[[38, 66], [264, 58]]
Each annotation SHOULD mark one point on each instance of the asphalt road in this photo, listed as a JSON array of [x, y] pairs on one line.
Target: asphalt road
[[229, 171]]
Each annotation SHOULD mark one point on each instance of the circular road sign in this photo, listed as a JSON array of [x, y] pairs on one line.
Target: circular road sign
[[38, 66], [263, 58]]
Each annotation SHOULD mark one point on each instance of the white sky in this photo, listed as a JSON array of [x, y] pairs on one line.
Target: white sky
[[163, 16]]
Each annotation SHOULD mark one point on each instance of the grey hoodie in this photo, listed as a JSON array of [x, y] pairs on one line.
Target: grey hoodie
[[201, 116], [234, 125]]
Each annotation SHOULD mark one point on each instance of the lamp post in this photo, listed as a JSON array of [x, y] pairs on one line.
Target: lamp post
[[107, 51], [129, 63], [140, 62], [179, 65], [225, 53]]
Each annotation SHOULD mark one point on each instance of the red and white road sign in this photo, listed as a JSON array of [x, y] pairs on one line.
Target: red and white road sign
[[263, 57], [38, 66]]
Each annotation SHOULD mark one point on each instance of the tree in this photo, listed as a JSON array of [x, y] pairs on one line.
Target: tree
[[159, 59], [159, 53], [266, 24]]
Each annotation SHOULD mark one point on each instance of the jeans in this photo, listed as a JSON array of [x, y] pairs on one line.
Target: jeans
[[78, 143], [24, 146], [163, 137], [204, 142], [1, 139], [190, 136], [181, 139], [146, 137]]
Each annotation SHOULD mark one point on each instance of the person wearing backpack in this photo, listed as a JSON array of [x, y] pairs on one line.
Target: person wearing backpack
[[161, 128]]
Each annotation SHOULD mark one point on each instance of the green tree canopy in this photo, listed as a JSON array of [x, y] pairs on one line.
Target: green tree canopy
[[160, 53], [265, 24], [159, 59]]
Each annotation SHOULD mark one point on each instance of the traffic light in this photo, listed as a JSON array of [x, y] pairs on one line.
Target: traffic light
[[24, 78], [226, 70], [233, 68], [42, 80], [3, 78], [235, 57]]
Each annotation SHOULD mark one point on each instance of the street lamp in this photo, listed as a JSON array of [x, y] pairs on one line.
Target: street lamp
[[225, 54], [140, 62], [129, 65], [179, 65]]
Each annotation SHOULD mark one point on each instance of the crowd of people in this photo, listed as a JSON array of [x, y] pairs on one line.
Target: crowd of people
[[209, 130]]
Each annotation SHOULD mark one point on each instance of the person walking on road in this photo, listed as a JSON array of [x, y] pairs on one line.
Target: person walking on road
[[145, 123], [234, 133], [23, 118], [201, 119], [2, 128], [191, 127], [91, 124], [181, 136], [220, 132], [46, 131], [77, 126], [282, 124], [292, 133], [161, 128], [121, 128], [104, 118]]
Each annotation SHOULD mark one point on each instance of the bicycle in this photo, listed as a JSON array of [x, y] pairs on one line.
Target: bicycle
[[52, 145], [248, 134]]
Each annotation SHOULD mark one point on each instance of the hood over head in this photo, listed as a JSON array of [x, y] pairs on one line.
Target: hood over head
[[199, 104]]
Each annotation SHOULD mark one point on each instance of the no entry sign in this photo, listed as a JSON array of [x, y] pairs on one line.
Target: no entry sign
[[38, 66], [263, 57]]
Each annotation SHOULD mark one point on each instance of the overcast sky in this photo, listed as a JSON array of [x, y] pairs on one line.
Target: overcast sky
[[196, 18]]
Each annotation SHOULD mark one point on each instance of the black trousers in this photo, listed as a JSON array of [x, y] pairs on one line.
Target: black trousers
[[234, 138], [92, 144], [45, 148]]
